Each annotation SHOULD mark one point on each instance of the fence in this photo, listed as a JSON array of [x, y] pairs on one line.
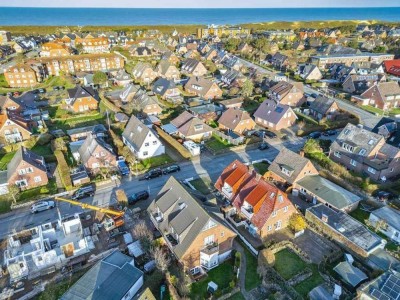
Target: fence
[[248, 245], [239, 140]]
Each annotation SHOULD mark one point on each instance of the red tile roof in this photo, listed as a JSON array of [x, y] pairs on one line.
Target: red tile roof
[[392, 66]]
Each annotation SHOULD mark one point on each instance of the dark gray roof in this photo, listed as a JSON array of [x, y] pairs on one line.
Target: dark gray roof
[[110, 278], [181, 212], [95, 129], [350, 274], [162, 85], [81, 92], [136, 132], [271, 111], [328, 191], [24, 154], [322, 104], [3, 177], [348, 227], [287, 158], [90, 144]]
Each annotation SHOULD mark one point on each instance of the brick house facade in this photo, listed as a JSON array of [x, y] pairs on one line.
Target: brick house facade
[[82, 99], [22, 76]]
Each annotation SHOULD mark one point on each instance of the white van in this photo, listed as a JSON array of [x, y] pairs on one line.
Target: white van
[[41, 206]]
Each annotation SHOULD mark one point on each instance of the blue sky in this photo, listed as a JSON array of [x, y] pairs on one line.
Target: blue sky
[[200, 4]]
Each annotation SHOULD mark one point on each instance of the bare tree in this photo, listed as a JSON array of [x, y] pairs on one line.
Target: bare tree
[[144, 235], [161, 259], [13, 190]]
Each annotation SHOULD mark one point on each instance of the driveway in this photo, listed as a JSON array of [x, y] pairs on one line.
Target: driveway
[[315, 246]]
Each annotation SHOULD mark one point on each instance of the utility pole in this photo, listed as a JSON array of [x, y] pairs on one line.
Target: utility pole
[[108, 121]]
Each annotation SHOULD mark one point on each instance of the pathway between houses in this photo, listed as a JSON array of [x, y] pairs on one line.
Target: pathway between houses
[[242, 272]]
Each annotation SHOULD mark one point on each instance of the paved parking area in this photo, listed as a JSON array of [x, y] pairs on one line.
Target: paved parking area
[[315, 246]]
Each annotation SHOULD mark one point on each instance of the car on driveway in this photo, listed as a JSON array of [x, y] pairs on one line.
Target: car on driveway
[[383, 196], [314, 135], [153, 174], [83, 192], [142, 195], [329, 132], [42, 206], [171, 169]]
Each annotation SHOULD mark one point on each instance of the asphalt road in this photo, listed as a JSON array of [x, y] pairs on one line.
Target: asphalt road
[[367, 119], [206, 165]]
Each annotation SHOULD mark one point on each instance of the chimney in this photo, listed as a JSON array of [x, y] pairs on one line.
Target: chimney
[[301, 153], [251, 169], [324, 218]]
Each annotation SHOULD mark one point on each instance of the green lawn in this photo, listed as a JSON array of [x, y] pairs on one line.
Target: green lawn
[[288, 264], [261, 167], [216, 143], [304, 287], [237, 296], [5, 159], [252, 279], [394, 111], [360, 215], [78, 121], [3, 82], [42, 150], [5, 205], [250, 105], [35, 193], [221, 275], [156, 161], [202, 185], [372, 109]]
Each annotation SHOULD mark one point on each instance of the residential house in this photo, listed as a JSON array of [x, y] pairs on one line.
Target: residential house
[[390, 130], [324, 61], [95, 153], [141, 140], [197, 239], [366, 152], [341, 227], [82, 99], [125, 95], [203, 87], [231, 103], [26, 170], [190, 127], [144, 72], [244, 48], [263, 205], [113, 277], [77, 134], [236, 120], [387, 221], [170, 57], [383, 95], [309, 72], [23, 75], [324, 108], [168, 70], [392, 67], [167, 90], [207, 112], [358, 84], [146, 103], [93, 44], [233, 78], [220, 31], [14, 128], [51, 49], [341, 72], [73, 64], [121, 78], [232, 62], [8, 103], [290, 167], [286, 93], [274, 115], [385, 286], [193, 67], [279, 60], [211, 54]]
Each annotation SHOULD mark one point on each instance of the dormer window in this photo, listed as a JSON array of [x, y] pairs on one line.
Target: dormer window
[[371, 142], [198, 127], [362, 152], [348, 147]]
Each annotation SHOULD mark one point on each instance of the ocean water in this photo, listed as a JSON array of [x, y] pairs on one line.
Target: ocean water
[[134, 16]]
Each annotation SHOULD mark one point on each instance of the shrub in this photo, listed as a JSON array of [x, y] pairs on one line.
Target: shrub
[[63, 169]]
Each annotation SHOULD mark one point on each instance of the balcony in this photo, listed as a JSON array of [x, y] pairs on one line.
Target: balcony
[[247, 212], [13, 137], [210, 249], [227, 191]]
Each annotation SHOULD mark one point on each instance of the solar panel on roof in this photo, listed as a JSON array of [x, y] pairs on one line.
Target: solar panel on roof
[[378, 295], [279, 109]]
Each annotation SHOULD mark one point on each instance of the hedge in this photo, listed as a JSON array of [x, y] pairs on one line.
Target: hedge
[[174, 143], [63, 170]]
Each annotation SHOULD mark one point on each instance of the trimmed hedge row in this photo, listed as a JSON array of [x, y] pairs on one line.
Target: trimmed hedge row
[[63, 170], [174, 143]]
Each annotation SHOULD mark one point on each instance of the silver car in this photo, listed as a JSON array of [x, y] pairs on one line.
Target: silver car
[[42, 205]]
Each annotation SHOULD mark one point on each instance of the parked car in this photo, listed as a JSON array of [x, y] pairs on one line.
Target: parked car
[[153, 174], [123, 168], [42, 206], [142, 195], [83, 192], [171, 169], [269, 134], [42, 91], [263, 146], [314, 135], [329, 132], [383, 195]]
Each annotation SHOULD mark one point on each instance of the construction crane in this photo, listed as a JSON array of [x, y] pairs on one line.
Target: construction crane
[[115, 218]]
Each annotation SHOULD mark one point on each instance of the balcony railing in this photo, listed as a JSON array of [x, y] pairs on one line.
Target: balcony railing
[[247, 212], [210, 248]]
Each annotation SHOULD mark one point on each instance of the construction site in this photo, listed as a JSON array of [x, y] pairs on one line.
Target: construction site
[[52, 251]]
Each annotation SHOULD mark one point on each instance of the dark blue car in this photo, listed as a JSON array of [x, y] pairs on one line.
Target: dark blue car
[[123, 168]]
